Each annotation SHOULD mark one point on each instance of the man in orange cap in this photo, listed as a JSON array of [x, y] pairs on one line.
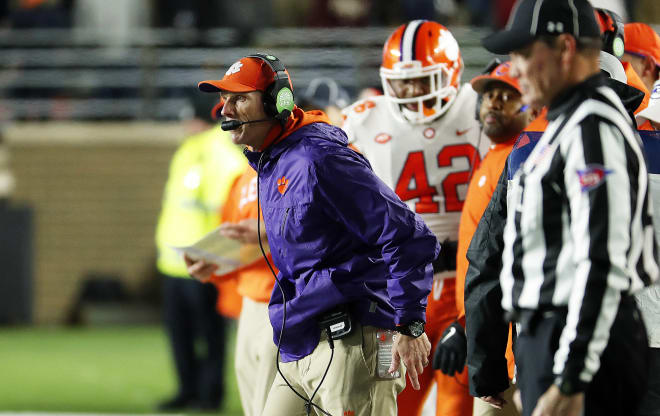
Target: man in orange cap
[[502, 116], [642, 51], [351, 269]]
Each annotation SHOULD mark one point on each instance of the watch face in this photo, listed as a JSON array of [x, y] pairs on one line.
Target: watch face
[[416, 328]]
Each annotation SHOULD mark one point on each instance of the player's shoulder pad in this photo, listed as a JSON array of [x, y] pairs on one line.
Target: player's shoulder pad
[[361, 109], [467, 93]]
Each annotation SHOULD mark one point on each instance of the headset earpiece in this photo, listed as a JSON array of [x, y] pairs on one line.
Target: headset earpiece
[[613, 32], [278, 97], [477, 110]]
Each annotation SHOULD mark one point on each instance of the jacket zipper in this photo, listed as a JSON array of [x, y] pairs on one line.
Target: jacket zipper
[[286, 216]]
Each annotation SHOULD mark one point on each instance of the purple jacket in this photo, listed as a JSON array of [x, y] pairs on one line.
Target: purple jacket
[[338, 235]]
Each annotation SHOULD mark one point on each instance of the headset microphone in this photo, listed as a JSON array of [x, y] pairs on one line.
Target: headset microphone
[[234, 124]]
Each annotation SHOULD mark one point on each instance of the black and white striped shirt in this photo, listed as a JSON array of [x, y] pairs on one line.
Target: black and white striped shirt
[[579, 232]]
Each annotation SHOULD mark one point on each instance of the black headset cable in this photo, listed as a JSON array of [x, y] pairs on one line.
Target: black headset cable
[[308, 402]]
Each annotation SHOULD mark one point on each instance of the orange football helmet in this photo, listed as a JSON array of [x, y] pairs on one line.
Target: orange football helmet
[[421, 49]]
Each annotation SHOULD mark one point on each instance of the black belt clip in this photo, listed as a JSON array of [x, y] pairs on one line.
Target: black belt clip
[[337, 322]]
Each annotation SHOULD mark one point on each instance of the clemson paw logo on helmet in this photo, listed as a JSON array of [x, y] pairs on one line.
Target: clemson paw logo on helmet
[[234, 68], [282, 184]]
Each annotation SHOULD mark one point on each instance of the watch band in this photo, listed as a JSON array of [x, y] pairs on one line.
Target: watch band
[[413, 329]]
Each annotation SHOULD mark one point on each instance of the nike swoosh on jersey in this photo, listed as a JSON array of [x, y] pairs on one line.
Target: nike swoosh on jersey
[[450, 334], [462, 132]]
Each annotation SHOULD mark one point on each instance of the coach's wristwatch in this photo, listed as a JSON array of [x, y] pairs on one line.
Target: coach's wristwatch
[[412, 329]]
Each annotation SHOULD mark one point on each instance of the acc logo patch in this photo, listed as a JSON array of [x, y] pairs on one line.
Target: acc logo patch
[[429, 132], [592, 177]]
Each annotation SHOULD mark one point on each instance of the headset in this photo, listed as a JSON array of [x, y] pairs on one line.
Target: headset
[[613, 32], [278, 97]]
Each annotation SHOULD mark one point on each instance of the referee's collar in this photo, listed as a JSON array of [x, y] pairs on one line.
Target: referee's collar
[[572, 96]]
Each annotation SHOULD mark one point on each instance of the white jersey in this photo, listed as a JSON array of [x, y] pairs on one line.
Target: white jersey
[[427, 165]]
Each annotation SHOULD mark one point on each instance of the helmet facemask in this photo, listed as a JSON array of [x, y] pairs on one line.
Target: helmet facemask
[[429, 105]]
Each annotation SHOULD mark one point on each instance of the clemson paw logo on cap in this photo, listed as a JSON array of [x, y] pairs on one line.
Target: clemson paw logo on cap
[[282, 184], [234, 68]]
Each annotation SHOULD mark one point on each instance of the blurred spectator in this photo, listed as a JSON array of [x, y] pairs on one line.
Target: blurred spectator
[[243, 14], [201, 174], [501, 11], [26, 14], [480, 12], [7, 182], [617, 6], [446, 10], [290, 13], [112, 22], [325, 94], [187, 14], [331, 13], [206, 14], [647, 11], [418, 9]]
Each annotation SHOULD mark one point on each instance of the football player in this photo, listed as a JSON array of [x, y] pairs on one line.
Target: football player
[[423, 140]]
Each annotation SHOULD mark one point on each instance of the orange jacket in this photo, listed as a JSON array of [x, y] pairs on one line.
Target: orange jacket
[[254, 281], [646, 126], [297, 119], [480, 190], [635, 81]]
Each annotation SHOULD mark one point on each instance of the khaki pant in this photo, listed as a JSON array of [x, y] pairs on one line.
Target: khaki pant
[[481, 408], [351, 388], [255, 356]]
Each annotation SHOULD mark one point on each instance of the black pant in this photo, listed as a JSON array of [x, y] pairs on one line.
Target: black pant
[[620, 383], [197, 338], [651, 401]]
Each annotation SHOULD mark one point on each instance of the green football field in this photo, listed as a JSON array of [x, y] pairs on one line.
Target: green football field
[[92, 370]]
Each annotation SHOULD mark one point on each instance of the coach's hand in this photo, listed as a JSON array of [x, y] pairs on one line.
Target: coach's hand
[[199, 269], [414, 352], [451, 351]]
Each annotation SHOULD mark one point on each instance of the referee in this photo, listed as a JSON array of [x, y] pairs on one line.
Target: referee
[[579, 239]]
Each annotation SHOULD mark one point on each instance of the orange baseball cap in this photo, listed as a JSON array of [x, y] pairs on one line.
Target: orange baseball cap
[[499, 74], [245, 75], [641, 39]]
